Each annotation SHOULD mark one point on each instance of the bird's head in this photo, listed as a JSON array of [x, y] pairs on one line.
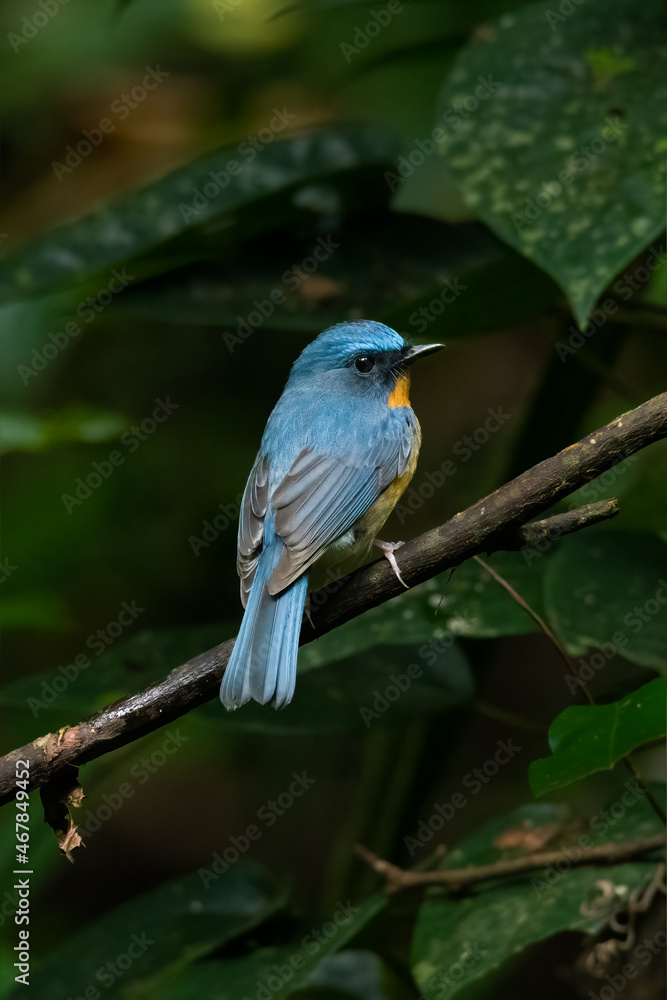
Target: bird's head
[[363, 358]]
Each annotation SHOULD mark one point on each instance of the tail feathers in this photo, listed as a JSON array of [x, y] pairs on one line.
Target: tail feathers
[[263, 662]]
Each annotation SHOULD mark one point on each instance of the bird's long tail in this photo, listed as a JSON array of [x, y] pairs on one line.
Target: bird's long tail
[[263, 662]]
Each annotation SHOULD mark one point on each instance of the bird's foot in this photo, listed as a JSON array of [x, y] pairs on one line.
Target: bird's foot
[[388, 549]]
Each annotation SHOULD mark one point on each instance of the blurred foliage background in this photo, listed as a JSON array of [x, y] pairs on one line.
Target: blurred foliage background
[[193, 190]]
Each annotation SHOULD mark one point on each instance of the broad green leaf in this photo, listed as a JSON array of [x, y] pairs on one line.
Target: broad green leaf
[[475, 606], [95, 677], [609, 589], [467, 603], [589, 738], [164, 929], [358, 974], [425, 281], [386, 684], [20, 431], [276, 971], [559, 143], [459, 940], [643, 498], [230, 191], [618, 481]]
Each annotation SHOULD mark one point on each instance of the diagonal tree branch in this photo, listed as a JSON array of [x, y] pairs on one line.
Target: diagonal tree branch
[[499, 521]]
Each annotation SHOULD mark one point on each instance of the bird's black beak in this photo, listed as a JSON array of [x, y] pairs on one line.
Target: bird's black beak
[[419, 351]]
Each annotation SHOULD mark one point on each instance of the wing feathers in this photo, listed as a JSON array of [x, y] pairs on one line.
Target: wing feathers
[[323, 496], [320, 498], [251, 524]]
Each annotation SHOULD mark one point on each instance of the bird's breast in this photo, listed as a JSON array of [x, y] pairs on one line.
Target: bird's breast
[[368, 526]]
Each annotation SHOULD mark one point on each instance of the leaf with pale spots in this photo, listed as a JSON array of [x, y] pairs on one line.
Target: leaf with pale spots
[[192, 212], [553, 126]]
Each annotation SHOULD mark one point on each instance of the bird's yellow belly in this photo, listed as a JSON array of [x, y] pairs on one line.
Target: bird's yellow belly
[[354, 546], [367, 527]]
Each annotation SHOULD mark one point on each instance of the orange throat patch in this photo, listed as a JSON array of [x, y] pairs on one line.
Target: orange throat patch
[[400, 395]]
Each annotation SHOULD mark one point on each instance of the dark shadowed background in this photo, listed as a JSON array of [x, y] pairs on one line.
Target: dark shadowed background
[[193, 191]]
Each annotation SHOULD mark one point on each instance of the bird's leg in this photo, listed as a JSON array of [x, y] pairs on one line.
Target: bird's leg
[[389, 548]]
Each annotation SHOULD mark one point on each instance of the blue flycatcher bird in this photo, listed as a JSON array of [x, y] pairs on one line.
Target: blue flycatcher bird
[[338, 451]]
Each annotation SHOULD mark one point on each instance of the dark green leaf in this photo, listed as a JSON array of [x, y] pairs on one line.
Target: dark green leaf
[[416, 274], [357, 974], [475, 606], [513, 290], [640, 482], [166, 928], [589, 738], [609, 589], [127, 666], [553, 93], [386, 684], [467, 603], [276, 971]]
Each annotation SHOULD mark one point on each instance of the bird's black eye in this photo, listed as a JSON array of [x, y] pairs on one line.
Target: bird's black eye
[[364, 364]]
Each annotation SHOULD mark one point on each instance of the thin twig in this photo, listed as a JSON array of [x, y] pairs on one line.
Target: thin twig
[[457, 878], [550, 634], [509, 718]]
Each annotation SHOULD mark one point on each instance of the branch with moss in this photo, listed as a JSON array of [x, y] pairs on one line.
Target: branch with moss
[[499, 521]]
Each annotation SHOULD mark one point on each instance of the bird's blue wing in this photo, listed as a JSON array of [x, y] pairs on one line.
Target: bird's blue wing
[[251, 524], [322, 496]]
